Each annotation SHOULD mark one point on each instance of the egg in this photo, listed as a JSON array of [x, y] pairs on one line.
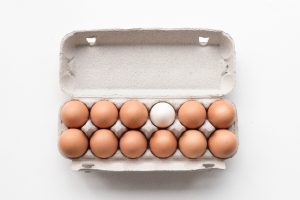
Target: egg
[[103, 143], [192, 144], [73, 143], [133, 114], [192, 114], [223, 143], [133, 144], [162, 115], [221, 114], [163, 144], [104, 114], [74, 114]]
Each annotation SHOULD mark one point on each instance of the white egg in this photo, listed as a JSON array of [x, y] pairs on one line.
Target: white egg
[[162, 115]]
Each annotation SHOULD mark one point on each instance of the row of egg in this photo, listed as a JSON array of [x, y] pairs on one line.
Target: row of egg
[[73, 143], [134, 114]]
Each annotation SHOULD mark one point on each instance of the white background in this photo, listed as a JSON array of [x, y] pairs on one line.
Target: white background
[[267, 37]]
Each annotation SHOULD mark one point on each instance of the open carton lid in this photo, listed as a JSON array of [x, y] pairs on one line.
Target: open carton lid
[[147, 63]]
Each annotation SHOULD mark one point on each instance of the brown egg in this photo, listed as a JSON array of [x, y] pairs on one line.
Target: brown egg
[[221, 114], [133, 144], [133, 114], [74, 114], [192, 114], [104, 114], [104, 143], [223, 143], [192, 144], [73, 143], [163, 144]]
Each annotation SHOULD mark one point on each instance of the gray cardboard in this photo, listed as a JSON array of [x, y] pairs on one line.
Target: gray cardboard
[[154, 63]]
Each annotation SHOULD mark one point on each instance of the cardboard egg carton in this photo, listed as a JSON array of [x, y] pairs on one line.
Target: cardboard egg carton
[[149, 65]]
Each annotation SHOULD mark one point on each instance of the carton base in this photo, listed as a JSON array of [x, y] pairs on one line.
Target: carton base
[[148, 163]]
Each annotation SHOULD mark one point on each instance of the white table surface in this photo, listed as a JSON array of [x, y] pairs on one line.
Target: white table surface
[[267, 95]]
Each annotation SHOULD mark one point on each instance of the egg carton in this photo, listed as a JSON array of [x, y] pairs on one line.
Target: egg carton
[[149, 65]]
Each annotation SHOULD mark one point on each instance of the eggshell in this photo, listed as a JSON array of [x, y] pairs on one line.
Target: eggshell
[[192, 144], [133, 114], [74, 114], [73, 143], [223, 143], [162, 115], [163, 144], [221, 114], [104, 114], [103, 143], [192, 114], [133, 144]]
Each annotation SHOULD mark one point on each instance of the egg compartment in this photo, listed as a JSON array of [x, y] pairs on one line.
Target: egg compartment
[[89, 161], [153, 65]]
